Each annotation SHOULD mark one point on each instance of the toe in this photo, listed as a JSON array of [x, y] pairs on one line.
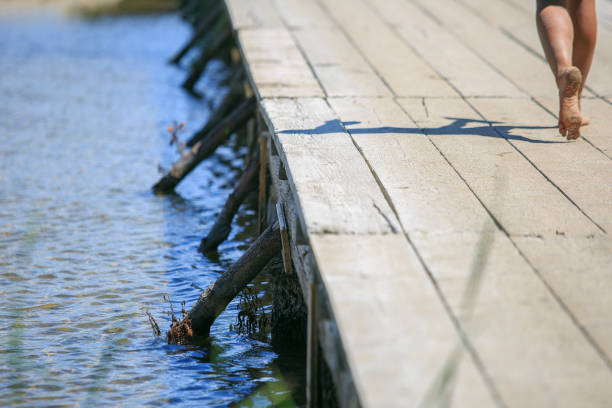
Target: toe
[[573, 133]]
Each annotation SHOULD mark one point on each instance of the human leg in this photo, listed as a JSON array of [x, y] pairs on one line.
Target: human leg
[[556, 30], [584, 20]]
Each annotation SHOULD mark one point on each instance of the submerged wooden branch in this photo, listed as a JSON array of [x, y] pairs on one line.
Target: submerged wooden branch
[[203, 27], [234, 96], [205, 147], [223, 223], [219, 42], [216, 297]]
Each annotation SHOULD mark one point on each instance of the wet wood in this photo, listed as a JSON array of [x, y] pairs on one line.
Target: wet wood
[[205, 147], [223, 224], [219, 42], [280, 213], [231, 100], [216, 297], [203, 27], [263, 181]]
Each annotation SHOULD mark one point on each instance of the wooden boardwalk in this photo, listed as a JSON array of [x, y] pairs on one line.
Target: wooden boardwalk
[[453, 248]]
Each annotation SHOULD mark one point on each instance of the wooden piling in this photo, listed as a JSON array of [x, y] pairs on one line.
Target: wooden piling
[[203, 27], [263, 181], [216, 297], [234, 96], [205, 147], [286, 249], [222, 226], [218, 43]]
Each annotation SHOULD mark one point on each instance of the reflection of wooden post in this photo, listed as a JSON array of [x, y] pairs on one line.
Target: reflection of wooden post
[[286, 249], [263, 165]]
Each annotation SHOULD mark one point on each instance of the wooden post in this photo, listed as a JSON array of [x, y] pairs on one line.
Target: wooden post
[[286, 249], [263, 165], [207, 54], [250, 141], [233, 97], [312, 348], [216, 297], [202, 28], [205, 147], [223, 223]]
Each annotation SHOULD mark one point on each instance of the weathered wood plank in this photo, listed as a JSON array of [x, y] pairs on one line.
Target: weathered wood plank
[[300, 14], [531, 349], [253, 14], [446, 54], [530, 73], [527, 71], [519, 24], [335, 188], [579, 270], [338, 65], [401, 346], [520, 198], [598, 132], [426, 192], [405, 72], [604, 11], [276, 65], [581, 172], [462, 259]]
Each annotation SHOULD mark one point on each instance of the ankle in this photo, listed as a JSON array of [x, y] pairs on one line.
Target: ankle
[[569, 81]]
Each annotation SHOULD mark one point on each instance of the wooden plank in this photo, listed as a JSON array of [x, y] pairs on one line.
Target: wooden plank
[[335, 188], [579, 270], [400, 344], [426, 192], [604, 14], [302, 14], [600, 113], [604, 11], [443, 51], [339, 67], [253, 14], [504, 181], [530, 73], [527, 71], [276, 65], [580, 171], [461, 258], [395, 62], [531, 349], [519, 24]]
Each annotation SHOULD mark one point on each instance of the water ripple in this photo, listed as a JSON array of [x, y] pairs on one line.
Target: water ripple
[[85, 248]]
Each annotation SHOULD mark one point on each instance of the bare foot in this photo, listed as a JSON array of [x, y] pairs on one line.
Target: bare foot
[[570, 118]]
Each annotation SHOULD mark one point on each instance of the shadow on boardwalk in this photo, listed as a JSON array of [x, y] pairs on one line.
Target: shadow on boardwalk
[[456, 127]]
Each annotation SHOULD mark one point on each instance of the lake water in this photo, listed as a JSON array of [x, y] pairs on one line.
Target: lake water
[[86, 248]]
